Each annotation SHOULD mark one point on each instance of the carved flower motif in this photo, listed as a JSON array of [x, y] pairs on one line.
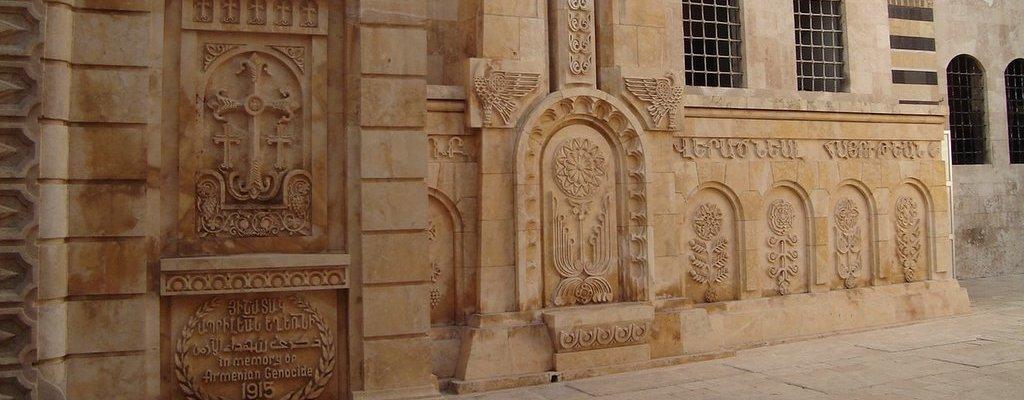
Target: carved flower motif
[[580, 168], [708, 221], [780, 217], [847, 215]]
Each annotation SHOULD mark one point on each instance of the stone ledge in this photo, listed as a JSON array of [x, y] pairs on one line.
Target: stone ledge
[[253, 273]]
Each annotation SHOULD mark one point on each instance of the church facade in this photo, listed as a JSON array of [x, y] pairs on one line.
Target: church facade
[[390, 199]]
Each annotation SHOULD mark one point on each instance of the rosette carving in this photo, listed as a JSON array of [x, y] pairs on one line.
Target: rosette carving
[[848, 242], [782, 256]]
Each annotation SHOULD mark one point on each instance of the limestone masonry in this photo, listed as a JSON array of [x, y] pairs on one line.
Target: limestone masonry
[[392, 199]]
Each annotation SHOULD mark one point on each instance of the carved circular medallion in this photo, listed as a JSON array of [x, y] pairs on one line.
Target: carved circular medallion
[[580, 168], [254, 104], [708, 221], [252, 346], [780, 217], [847, 215]]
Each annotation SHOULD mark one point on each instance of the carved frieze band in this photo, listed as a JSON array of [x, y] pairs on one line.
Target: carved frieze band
[[20, 39], [581, 36], [500, 93], [773, 149], [709, 257], [273, 16], [593, 337], [792, 149], [662, 95], [263, 280], [882, 149]]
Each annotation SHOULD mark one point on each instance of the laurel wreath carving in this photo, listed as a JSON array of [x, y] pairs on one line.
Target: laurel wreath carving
[[311, 390]]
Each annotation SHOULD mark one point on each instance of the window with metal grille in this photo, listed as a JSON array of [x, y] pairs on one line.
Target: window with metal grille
[[966, 92], [819, 45], [1015, 109], [711, 41]]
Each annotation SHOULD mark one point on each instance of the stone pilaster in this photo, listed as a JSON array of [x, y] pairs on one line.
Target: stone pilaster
[[97, 324], [391, 314]]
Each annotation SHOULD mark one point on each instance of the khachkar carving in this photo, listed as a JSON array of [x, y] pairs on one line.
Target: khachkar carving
[[582, 256], [253, 199], [848, 243], [254, 15], [581, 34], [709, 263], [908, 237], [782, 242], [500, 91], [662, 95], [594, 337], [255, 348], [20, 38], [209, 282]]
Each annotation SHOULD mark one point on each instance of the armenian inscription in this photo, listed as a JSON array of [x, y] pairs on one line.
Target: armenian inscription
[[255, 347]]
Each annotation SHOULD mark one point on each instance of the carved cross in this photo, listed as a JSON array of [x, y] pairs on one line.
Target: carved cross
[[230, 8], [310, 13], [284, 12], [257, 8], [203, 8], [254, 106], [226, 140]]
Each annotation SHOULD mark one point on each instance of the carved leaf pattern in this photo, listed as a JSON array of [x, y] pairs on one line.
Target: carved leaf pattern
[[848, 242], [908, 237], [782, 243], [709, 258]]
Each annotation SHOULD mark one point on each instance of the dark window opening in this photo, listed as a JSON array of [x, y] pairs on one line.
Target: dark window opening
[[711, 41], [819, 45], [1015, 109], [966, 93]]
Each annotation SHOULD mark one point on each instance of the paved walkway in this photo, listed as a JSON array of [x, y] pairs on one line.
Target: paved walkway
[[977, 356]]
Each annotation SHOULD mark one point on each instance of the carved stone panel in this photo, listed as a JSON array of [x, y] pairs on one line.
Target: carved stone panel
[[441, 238], [911, 240], [852, 239], [270, 16], [711, 240], [256, 346], [252, 153], [500, 91], [786, 240], [575, 43], [581, 256]]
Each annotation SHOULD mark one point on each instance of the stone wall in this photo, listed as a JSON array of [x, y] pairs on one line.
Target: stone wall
[[987, 202]]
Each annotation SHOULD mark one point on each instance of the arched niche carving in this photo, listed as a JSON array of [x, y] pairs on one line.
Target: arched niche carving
[[712, 241], [445, 230], [581, 178], [853, 232], [788, 240], [913, 239]]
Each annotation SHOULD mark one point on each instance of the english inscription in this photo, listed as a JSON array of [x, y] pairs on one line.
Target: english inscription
[[254, 348]]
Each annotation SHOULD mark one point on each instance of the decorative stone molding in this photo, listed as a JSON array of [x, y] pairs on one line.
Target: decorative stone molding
[[606, 115], [249, 274], [500, 92], [909, 234], [269, 16], [663, 96], [581, 36], [594, 337]]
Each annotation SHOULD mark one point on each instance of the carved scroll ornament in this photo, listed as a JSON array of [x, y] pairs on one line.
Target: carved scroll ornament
[[908, 237], [848, 242], [581, 36], [662, 95], [594, 337], [782, 243], [709, 260]]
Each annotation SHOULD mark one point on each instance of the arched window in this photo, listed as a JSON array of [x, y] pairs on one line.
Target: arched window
[[966, 91], [1015, 109]]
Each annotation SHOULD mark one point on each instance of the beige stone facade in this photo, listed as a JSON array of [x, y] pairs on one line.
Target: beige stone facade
[[372, 199]]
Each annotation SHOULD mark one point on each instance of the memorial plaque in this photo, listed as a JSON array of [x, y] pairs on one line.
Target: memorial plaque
[[280, 346]]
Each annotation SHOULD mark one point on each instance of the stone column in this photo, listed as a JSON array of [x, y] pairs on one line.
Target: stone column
[[97, 334], [391, 308]]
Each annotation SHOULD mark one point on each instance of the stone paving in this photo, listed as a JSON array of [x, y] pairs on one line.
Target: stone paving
[[976, 356]]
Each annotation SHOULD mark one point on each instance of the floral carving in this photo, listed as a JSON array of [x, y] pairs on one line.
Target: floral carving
[[295, 53], [580, 168], [582, 261], [435, 291], [710, 259], [782, 242], [594, 337], [848, 242], [581, 36], [500, 91], [662, 95], [908, 237], [213, 51]]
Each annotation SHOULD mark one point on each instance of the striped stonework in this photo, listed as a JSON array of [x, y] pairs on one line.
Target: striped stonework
[[912, 45]]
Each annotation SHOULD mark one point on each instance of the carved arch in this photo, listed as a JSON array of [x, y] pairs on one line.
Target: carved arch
[[623, 132], [459, 283], [739, 282]]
